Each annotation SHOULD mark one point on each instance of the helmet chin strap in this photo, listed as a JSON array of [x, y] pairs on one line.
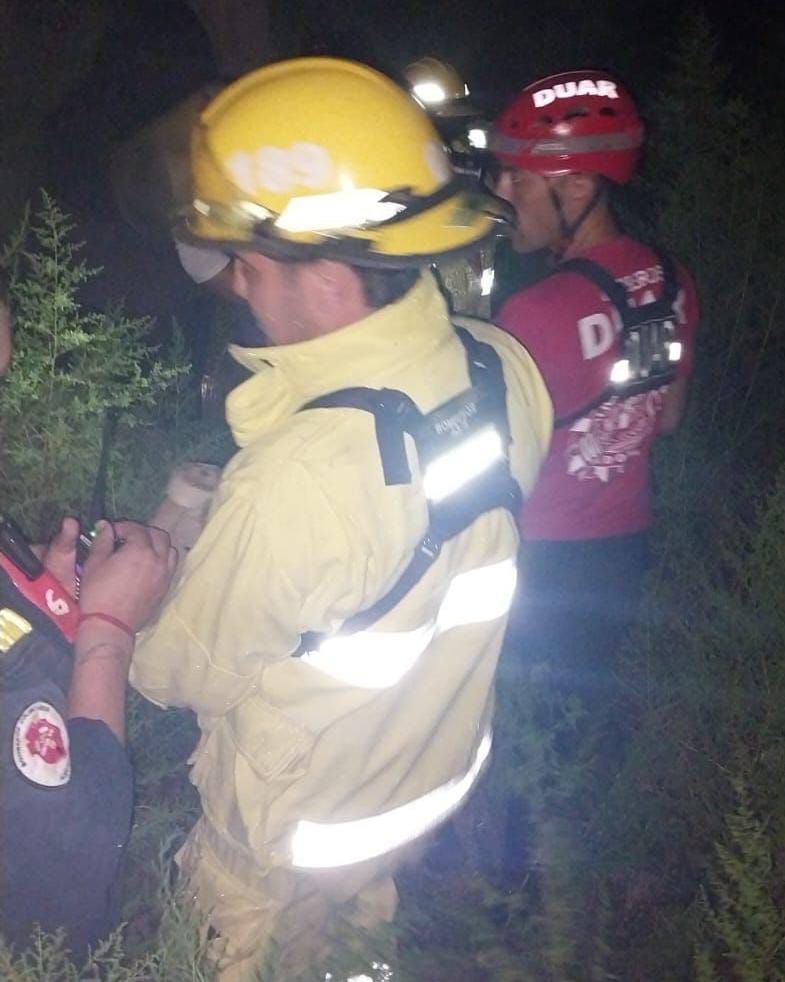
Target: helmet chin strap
[[568, 230]]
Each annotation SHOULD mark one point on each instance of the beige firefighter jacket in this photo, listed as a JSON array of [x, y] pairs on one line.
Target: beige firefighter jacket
[[342, 755]]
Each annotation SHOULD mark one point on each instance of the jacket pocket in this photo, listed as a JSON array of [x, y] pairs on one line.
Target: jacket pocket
[[269, 741]]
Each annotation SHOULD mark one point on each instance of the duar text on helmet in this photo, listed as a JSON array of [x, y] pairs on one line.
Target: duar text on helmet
[[568, 90]]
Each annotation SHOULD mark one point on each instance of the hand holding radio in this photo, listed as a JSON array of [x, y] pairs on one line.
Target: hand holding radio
[[126, 574], [125, 577], [59, 556]]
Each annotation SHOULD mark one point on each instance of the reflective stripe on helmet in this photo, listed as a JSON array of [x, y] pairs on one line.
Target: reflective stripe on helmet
[[317, 845], [333, 221], [379, 659], [575, 121], [550, 147]]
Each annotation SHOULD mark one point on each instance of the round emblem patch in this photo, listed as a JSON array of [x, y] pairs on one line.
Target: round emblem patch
[[41, 746]]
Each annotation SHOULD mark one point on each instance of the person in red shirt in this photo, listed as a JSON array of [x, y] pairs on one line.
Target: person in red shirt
[[562, 145]]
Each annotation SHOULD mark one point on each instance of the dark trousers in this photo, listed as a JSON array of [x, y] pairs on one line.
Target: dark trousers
[[561, 708], [576, 602]]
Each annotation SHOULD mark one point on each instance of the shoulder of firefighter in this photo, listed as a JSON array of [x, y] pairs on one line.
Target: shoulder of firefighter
[[342, 612], [67, 783]]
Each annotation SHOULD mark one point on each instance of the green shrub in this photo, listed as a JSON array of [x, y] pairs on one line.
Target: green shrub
[[70, 367], [742, 919]]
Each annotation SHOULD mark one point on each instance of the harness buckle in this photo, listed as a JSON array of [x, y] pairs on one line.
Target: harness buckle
[[431, 546]]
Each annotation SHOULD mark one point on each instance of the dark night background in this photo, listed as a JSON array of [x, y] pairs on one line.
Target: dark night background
[[80, 77]]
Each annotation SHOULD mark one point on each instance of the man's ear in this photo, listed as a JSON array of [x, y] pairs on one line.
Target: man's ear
[[237, 280], [242, 270], [336, 283], [337, 294]]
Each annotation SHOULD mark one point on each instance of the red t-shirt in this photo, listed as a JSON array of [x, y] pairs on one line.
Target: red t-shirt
[[595, 480]]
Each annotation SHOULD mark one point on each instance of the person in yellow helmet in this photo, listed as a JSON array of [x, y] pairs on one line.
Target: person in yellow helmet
[[445, 96], [438, 87], [336, 625]]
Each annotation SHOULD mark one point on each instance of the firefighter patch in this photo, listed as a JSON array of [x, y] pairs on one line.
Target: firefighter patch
[[41, 746]]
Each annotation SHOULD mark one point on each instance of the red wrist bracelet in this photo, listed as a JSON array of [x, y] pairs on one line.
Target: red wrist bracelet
[[114, 621]]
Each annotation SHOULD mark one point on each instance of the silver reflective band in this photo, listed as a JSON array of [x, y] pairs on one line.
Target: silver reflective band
[[352, 208], [241, 215], [553, 147], [379, 659], [674, 350], [457, 467], [324, 846]]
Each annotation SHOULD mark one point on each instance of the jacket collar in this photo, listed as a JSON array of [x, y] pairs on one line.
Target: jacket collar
[[367, 353]]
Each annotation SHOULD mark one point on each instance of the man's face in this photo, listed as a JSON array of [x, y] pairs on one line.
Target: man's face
[[538, 221], [278, 296], [298, 301]]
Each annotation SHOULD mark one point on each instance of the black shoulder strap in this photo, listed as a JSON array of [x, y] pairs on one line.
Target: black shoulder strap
[[602, 279], [395, 414], [425, 555], [614, 290], [485, 370]]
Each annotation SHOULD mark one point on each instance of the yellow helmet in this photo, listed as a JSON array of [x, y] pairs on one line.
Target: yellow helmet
[[324, 157], [438, 87]]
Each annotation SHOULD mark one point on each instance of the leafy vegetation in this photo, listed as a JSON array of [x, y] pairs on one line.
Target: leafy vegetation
[[71, 366]]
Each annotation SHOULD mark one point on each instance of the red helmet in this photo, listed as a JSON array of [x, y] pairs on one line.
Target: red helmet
[[577, 121]]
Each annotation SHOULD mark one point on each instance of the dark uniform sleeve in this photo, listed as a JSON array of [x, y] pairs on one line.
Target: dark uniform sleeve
[[66, 801]]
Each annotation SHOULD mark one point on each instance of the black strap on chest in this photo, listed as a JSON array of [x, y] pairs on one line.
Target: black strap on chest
[[476, 413], [640, 326]]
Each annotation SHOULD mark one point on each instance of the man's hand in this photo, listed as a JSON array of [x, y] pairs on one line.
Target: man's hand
[[59, 557], [673, 403], [127, 582], [183, 511]]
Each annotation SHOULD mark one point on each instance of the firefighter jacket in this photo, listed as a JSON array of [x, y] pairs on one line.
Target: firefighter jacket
[[330, 757]]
